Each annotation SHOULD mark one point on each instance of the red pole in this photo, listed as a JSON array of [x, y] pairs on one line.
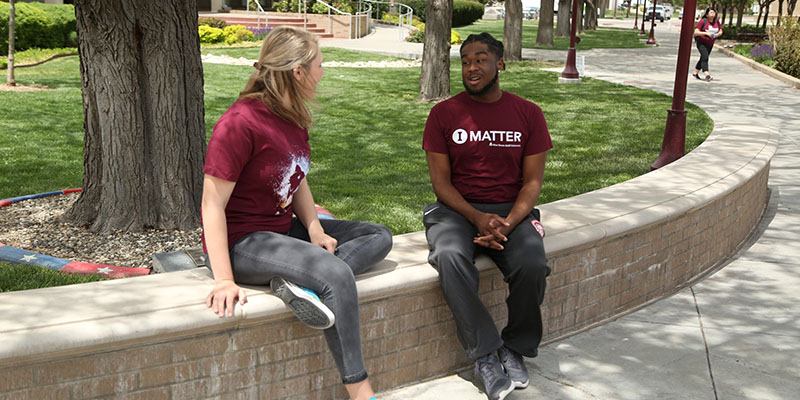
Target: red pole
[[644, 11], [673, 146], [636, 19], [615, 9], [652, 39], [570, 71]]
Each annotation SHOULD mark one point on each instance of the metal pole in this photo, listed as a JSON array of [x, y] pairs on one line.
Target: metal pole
[[644, 11], [673, 146], [651, 41], [636, 19], [570, 72]]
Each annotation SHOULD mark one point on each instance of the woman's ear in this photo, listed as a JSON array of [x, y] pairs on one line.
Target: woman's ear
[[297, 73]]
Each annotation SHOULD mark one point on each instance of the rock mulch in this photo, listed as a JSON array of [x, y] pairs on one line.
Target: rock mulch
[[35, 225]]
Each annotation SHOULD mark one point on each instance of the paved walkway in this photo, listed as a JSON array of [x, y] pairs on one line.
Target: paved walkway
[[735, 335]]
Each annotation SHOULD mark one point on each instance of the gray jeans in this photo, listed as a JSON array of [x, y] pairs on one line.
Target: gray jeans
[[260, 256], [524, 267]]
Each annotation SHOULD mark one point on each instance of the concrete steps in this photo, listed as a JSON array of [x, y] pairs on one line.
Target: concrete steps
[[251, 21]]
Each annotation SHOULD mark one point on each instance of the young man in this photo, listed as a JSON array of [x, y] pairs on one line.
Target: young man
[[486, 155]]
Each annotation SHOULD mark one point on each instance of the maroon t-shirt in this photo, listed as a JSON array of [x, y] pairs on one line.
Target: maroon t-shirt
[[705, 26], [267, 157], [486, 143]]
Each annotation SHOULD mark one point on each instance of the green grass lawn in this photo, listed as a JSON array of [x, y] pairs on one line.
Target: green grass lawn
[[602, 38], [24, 277], [367, 162]]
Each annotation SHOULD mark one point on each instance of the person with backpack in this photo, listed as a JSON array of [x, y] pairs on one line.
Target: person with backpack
[[707, 30]]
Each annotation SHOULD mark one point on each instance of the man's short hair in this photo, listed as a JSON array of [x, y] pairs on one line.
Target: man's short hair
[[495, 46]]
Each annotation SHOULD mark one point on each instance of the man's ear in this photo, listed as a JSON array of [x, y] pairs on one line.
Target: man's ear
[[501, 65]]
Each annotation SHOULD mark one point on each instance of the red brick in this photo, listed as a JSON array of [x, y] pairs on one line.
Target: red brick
[[73, 368], [258, 336], [141, 357], [200, 347], [169, 374], [104, 386], [15, 378]]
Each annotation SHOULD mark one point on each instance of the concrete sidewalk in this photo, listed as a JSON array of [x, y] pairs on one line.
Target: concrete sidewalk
[[736, 334]]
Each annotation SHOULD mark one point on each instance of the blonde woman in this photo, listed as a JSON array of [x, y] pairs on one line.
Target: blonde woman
[[255, 179]]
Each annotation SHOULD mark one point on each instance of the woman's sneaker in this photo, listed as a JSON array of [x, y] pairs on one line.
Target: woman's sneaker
[[305, 304], [496, 383], [514, 365]]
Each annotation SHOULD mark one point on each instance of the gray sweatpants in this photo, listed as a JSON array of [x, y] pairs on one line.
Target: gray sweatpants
[[524, 267]]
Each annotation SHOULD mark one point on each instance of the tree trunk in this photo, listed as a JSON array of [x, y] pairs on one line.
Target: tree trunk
[[563, 22], [544, 36], [780, 12], [590, 15], [581, 6], [512, 31], [602, 6], [10, 80], [434, 79], [742, 5], [766, 14], [142, 86]]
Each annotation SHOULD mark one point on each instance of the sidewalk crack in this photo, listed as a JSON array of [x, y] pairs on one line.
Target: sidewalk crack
[[705, 343]]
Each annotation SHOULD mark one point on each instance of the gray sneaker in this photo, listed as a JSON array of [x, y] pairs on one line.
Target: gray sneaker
[[305, 304], [514, 366], [496, 383]]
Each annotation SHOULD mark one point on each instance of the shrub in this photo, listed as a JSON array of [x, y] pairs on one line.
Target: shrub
[[762, 52], [209, 34], [418, 35], [282, 6], [212, 22], [466, 12], [38, 25], [231, 33], [259, 33], [786, 42]]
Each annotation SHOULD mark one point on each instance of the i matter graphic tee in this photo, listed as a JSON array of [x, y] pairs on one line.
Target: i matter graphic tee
[[486, 143]]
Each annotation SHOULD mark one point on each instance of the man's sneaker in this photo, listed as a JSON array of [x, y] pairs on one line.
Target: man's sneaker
[[305, 304], [496, 383], [514, 366]]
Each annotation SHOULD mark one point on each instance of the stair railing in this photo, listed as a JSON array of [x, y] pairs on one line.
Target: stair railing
[[259, 10], [404, 14], [353, 18]]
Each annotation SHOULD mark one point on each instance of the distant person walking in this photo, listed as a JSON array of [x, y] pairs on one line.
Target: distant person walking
[[707, 30], [255, 181]]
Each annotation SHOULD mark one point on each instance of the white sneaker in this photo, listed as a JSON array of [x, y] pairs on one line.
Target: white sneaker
[[305, 304]]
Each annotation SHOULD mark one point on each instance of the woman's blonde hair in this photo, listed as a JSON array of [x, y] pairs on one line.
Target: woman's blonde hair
[[284, 49]]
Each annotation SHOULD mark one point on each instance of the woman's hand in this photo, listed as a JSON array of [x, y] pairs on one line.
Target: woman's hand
[[223, 297], [322, 239]]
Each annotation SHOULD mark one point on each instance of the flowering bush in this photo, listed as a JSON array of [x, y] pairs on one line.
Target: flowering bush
[[259, 33], [762, 52], [418, 36], [237, 33], [786, 41], [209, 34]]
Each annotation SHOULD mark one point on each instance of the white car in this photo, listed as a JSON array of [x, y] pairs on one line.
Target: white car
[[660, 14]]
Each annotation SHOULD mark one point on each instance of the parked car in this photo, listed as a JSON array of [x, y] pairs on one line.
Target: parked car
[[660, 14]]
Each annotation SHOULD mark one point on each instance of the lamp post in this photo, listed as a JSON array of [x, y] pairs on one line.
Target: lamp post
[[644, 11], [674, 144], [570, 73], [636, 19], [651, 41]]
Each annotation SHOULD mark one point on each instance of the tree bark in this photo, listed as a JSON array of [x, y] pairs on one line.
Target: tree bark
[[512, 31], [581, 6], [10, 80], [590, 16], [563, 22], [434, 79], [544, 36], [142, 87]]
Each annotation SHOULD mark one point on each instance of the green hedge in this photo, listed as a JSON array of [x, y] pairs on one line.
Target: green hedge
[[465, 12], [38, 25], [786, 39]]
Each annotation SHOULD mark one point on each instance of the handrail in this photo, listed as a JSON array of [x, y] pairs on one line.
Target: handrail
[[403, 18], [258, 13], [340, 12]]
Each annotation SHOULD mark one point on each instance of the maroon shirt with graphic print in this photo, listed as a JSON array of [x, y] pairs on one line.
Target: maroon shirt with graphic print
[[267, 157], [486, 143], [704, 25]]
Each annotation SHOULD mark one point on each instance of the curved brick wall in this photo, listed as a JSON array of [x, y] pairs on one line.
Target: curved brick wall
[[612, 250]]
